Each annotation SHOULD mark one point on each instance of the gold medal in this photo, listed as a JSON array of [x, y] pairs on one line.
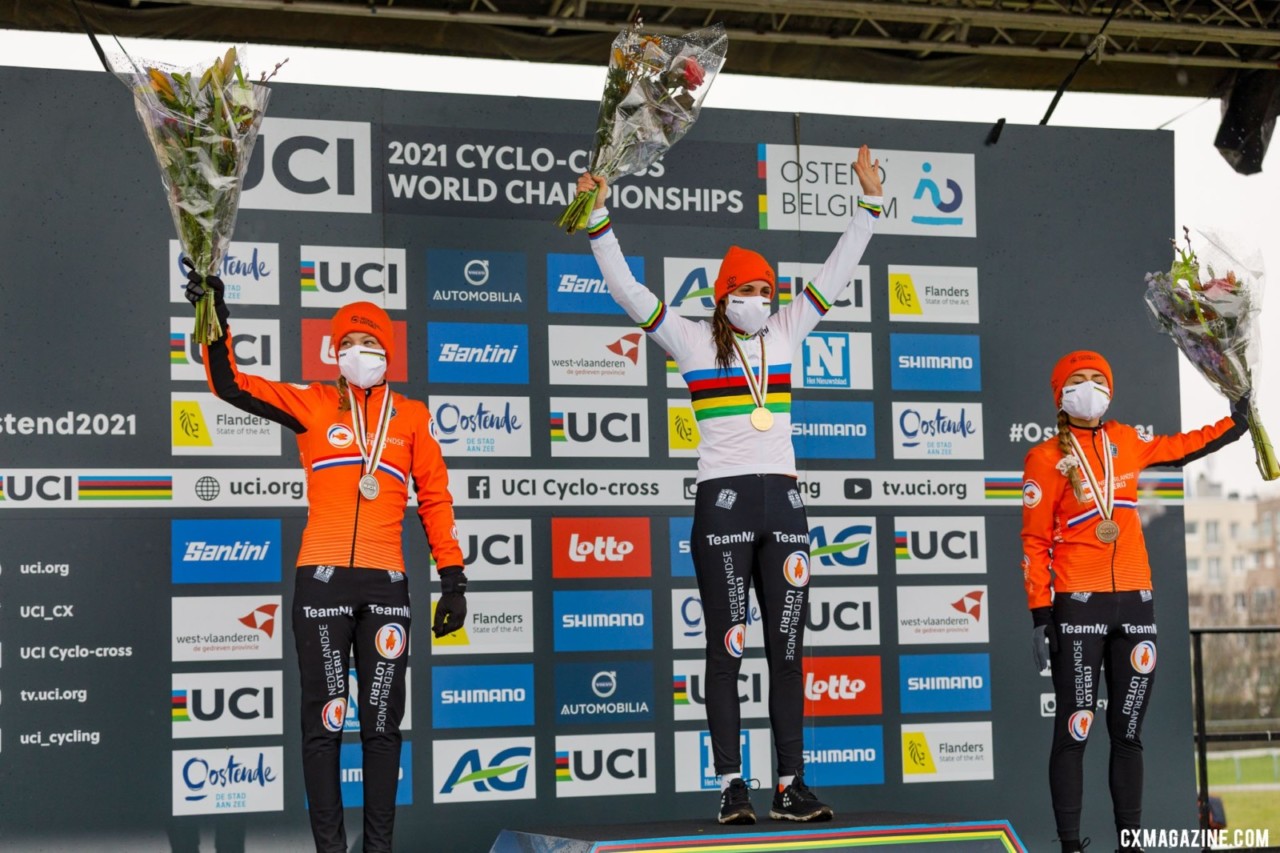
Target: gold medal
[[1107, 531], [762, 419], [369, 487]]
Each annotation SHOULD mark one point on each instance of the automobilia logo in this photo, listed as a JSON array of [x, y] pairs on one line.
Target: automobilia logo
[[255, 345], [605, 692], [320, 361], [250, 274], [575, 285], [689, 690], [476, 770], [475, 353], [596, 355], [600, 547], [333, 276], [843, 546], [605, 765], [310, 165], [480, 426], [940, 545], [470, 696], [494, 281]]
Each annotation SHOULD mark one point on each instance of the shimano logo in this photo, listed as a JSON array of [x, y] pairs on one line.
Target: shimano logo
[[839, 756], [946, 682], [570, 283], [483, 696], [602, 620], [830, 430], [238, 552], [935, 362], [487, 354]]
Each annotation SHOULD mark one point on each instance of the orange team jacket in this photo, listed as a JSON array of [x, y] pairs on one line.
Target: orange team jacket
[[1058, 528], [344, 529]]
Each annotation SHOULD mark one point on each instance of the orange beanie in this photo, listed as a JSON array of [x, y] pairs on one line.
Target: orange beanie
[[739, 267], [1079, 360], [364, 317]]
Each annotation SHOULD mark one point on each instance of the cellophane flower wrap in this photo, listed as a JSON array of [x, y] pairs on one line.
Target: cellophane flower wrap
[[652, 96], [201, 123], [1209, 302]]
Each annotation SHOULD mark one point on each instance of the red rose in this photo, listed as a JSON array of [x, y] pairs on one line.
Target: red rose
[[693, 74]]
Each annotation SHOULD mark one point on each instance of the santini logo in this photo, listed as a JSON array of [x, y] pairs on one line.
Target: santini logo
[[487, 354], [235, 552]]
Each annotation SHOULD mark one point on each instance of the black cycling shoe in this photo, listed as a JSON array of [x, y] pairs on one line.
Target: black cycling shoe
[[1076, 846], [797, 802], [735, 803]]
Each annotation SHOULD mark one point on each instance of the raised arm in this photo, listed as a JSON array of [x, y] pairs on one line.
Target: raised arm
[[1177, 450], [810, 306], [672, 332]]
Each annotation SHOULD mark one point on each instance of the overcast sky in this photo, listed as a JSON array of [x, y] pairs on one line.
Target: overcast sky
[[1209, 194]]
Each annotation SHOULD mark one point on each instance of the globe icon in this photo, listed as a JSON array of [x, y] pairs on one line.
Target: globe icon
[[207, 488]]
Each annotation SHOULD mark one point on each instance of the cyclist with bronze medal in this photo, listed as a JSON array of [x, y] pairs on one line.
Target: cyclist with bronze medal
[[749, 522], [1088, 579]]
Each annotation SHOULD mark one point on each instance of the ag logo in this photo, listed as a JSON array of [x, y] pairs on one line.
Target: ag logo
[[689, 284], [796, 568], [303, 164], [340, 435], [843, 545], [1079, 724], [485, 769], [390, 640], [335, 711]]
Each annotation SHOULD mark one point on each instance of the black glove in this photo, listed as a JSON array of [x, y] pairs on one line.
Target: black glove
[[195, 290], [1044, 640], [1240, 408], [451, 609]]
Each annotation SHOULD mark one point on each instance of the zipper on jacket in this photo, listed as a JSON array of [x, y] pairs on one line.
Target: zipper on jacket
[[355, 524]]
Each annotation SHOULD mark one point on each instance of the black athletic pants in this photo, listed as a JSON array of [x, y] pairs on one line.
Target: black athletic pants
[[334, 610], [1114, 631], [745, 529]]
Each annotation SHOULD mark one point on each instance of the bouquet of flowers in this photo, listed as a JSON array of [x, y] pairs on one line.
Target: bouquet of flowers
[[652, 96], [201, 124], [1208, 302]]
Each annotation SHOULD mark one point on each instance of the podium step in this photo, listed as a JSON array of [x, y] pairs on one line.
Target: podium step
[[851, 834]]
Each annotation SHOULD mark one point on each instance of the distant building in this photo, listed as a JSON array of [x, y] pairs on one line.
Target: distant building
[[1232, 566]]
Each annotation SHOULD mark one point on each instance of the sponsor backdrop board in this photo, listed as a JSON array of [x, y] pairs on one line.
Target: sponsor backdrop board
[[148, 532]]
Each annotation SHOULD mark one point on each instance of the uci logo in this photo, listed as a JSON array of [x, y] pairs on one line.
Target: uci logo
[[849, 548], [340, 435], [331, 276], [1143, 657], [245, 703], [498, 549], [614, 427], [44, 489], [796, 568], [390, 640], [584, 766], [334, 713], [844, 615], [735, 640], [303, 164], [1079, 724]]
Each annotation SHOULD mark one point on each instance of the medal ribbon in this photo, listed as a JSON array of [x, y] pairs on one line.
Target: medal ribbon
[[759, 390], [1103, 498], [370, 458]]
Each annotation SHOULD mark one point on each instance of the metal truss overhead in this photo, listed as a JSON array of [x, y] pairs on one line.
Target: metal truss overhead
[[1189, 47]]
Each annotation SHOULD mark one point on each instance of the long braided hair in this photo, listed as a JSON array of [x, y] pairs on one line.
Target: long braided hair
[[722, 335], [1064, 445]]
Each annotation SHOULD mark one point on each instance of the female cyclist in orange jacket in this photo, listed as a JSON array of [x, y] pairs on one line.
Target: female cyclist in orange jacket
[[361, 444], [1088, 579]]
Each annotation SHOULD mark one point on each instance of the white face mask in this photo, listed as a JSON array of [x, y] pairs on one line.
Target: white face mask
[[1086, 401], [748, 313], [363, 367]]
